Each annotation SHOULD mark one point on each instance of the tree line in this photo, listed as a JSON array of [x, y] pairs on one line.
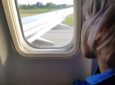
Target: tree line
[[48, 6]]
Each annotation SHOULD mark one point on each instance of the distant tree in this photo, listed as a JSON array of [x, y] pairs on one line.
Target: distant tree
[[49, 5], [39, 5], [23, 7]]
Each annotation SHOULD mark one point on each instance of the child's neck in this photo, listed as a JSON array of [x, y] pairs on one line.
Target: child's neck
[[102, 65]]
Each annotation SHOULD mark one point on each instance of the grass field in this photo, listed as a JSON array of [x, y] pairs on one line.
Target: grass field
[[69, 20], [29, 12]]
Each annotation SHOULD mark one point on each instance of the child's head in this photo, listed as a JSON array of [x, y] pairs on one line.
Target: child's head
[[98, 33]]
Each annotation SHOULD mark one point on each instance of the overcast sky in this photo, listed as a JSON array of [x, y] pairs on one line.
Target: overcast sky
[[45, 1]]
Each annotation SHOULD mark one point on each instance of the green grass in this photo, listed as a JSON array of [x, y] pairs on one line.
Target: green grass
[[69, 20], [29, 12]]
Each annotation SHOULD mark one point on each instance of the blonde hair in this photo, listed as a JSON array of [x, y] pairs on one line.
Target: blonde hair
[[98, 32]]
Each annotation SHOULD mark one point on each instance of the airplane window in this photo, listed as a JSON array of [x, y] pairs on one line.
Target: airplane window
[[47, 23]]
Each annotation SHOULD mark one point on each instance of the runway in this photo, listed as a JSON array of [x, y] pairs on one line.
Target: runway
[[61, 35]]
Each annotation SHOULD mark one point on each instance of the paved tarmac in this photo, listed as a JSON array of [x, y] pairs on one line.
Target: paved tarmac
[[61, 35]]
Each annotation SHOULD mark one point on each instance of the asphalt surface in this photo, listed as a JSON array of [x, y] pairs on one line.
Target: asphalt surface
[[61, 35]]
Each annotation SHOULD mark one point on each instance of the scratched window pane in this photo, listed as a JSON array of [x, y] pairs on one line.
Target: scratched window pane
[[47, 23]]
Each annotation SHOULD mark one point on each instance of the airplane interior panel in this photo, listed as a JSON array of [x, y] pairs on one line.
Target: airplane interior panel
[[16, 69]]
